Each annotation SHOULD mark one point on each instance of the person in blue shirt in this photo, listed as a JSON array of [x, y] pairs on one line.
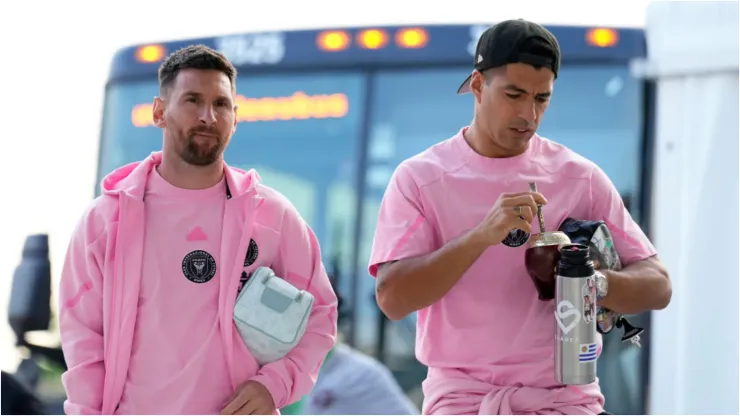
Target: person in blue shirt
[[353, 383]]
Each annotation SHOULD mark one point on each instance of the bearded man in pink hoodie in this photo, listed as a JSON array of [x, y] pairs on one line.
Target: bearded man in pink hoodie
[[155, 265]]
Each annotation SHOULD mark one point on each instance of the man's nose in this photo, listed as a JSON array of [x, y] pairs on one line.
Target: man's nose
[[207, 115], [528, 112]]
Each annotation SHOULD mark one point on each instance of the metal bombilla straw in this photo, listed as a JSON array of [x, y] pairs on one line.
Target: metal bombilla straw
[[533, 188], [543, 254]]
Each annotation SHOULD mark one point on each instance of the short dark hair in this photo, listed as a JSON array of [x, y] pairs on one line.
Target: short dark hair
[[194, 57]]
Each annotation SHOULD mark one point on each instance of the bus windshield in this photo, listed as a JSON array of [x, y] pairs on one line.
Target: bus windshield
[[305, 134]]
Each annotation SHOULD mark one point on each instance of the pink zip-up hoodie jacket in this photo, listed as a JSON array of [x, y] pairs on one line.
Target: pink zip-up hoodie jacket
[[100, 281]]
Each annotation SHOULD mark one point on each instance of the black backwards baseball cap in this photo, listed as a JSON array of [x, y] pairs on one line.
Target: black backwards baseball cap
[[515, 41]]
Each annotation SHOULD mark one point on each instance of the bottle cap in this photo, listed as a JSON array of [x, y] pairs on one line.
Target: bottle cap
[[577, 252]]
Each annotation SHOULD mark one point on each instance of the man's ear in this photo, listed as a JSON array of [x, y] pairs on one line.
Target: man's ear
[[158, 112], [477, 81], [236, 118]]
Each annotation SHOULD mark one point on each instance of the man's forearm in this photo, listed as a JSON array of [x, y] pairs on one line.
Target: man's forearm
[[411, 284], [639, 287]]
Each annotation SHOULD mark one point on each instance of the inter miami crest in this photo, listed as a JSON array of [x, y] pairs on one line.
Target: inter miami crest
[[199, 266], [252, 252], [516, 238]]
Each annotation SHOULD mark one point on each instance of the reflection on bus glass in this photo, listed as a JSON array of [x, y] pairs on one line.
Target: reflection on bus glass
[[298, 106]]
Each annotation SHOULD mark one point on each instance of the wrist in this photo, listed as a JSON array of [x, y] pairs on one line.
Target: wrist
[[273, 387], [477, 238]]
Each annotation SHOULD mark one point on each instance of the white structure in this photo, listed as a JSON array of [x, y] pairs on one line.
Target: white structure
[[693, 57]]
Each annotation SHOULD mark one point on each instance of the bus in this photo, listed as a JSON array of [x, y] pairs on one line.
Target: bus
[[325, 116]]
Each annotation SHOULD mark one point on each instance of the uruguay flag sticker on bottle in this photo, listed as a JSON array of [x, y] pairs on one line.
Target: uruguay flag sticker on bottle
[[588, 353]]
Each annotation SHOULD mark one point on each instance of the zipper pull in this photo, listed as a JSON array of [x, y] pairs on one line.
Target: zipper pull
[[242, 281]]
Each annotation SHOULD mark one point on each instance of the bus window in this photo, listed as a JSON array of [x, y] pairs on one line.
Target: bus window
[[595, 111], [299, 131]]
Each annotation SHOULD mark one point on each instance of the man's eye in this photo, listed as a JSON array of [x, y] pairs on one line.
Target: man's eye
[[513, 96]]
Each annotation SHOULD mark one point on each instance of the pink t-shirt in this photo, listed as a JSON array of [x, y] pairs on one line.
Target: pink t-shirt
[[490, 326], [180, 282]]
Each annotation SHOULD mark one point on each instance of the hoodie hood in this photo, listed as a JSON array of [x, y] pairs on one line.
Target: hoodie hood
[[131, 179]]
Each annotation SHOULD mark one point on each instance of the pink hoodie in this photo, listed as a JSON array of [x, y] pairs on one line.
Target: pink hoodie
[[100, 288]]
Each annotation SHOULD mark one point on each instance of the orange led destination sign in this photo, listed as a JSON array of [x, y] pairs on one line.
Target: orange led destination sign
[[299, 106]]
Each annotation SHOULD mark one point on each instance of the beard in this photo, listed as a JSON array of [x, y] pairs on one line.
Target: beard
[[200, 151]]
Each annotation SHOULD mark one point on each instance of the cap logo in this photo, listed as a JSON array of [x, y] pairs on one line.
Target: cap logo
[[479, 60]]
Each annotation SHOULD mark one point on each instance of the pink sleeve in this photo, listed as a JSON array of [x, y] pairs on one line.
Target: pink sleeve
[[299, 262], [402, 230], [606, 204], [81, 322]]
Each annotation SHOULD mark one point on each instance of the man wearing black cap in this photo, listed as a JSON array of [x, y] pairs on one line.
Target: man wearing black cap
[[451, 232]]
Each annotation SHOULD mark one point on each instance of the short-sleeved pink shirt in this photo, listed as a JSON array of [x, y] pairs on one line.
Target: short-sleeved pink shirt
[[491, 323]]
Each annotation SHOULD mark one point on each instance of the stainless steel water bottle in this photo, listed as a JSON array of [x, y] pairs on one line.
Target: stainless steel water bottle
[[575, 317]]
